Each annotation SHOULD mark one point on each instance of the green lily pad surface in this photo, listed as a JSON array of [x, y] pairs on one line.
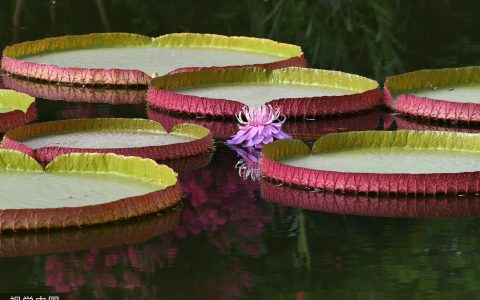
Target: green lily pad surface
[[47, 190], [258, 94], [104, 139], [4, 108], [149, 59], [11, 100], [81, 189], [60, 187], [390, 161], [455, 93], [66, 190]]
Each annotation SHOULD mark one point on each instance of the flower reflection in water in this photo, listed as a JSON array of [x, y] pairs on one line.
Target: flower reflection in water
[[248, 164], [228, 216]]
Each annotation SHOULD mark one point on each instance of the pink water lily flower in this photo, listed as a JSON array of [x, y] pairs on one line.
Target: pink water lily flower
[[259, 125]]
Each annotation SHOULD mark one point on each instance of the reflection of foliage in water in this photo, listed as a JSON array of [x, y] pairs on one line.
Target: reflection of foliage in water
[[376, 258]]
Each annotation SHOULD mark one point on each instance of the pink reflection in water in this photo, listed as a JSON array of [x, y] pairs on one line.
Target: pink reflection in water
[[220, 208], [223, 207]]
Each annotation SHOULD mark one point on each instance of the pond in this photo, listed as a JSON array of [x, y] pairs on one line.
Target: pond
[[238, 238]]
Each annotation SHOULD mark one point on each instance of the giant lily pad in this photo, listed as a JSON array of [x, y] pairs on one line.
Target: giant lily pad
[[299, 92], [449, 94], [378, 205], [404, 162], [73, 93], [129, 232], [16, 109], [81, 189], [130, 59], [131, 137]]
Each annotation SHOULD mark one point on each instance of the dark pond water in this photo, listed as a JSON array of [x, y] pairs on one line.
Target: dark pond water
[[242, 239]]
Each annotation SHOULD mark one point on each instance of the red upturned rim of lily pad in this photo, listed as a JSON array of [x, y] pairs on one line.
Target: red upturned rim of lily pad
[[289, 55], [399, 94], [373, 182], [201, 139], [163, 91], [379, 205], [72, 93], [167, 195], [129, 232], [20, 109]]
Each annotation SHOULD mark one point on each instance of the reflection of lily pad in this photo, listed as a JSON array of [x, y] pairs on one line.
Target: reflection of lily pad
[[220, 128], [402, 123], [373, 205], [81, 189], [405, 162], [449, 94], [305, 130], [311, 130], [299, 92], [75, 93], [131, 137], [189, 163], [75, 239], [16, 109], [130, 59]]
